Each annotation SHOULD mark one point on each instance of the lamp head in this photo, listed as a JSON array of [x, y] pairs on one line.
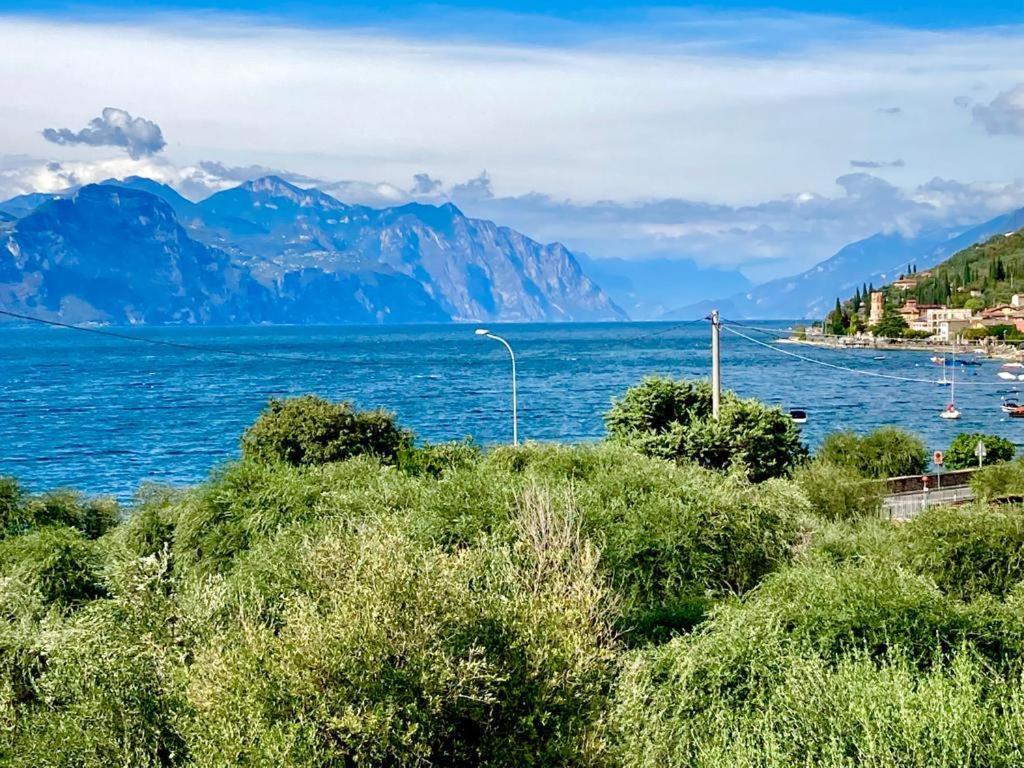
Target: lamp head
[[482, 332]]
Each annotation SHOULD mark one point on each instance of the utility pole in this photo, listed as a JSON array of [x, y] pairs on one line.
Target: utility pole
[[716, 366]]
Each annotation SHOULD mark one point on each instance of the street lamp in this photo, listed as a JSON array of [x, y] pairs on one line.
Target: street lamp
[[515, 426]]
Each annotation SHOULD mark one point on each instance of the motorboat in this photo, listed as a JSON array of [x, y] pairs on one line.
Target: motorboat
[[798, 415], [1007, 376], [1009, 406]]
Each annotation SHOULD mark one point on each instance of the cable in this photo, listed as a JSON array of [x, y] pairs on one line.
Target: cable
[[858, 371], [174, 344], [662, 331]]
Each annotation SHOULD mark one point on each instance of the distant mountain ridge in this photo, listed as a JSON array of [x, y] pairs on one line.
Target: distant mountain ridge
[[876, 259], [136, 251]]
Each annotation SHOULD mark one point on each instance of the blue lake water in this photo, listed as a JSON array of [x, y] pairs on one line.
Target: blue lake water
[[105, 415]]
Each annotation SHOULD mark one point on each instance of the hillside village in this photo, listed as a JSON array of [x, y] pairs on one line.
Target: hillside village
[[975, 296]]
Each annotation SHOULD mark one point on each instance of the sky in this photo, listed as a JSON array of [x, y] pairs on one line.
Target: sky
[[744, 137]]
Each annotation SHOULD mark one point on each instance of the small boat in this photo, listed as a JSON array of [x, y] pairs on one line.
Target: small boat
[[939, 360], [1009, 406], [1013, 365], [878, 357], [1006, 376], [798, 415], [951, 412]]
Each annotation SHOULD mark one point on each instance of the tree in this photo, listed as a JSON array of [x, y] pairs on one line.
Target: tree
[[891, 326], [1000, 270], [961, 453], [671, 419], [967, 273], [837, 320], [1004, 331], [310, 430]]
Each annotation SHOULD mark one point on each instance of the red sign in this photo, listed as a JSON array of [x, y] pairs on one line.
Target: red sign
[[937, 458]]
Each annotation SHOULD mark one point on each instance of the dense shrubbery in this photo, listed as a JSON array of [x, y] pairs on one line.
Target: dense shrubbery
[[961, 453], [885, 452], [531, 606], [999, 481], [839, 492], [310, 430], [672, 420]]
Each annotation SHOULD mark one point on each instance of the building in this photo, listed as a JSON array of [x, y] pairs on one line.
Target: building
[[877, 308], [913, 313], [905, 283], [944, 323]]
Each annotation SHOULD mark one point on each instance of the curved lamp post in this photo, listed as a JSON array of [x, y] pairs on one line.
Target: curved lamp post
[[515, 425]]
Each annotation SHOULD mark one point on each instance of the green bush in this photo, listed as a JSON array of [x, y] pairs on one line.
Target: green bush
[[967, 553], [999, 481], [310, 430], [20, 512], [961, 451], [437, 458], [854, 711], [56, 562], [671, 419], [839, 492], [786, 670], [885, 452], [396, 655], [110, 691]]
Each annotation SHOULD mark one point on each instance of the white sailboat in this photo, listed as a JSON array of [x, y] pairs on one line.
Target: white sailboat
[[951, 412]]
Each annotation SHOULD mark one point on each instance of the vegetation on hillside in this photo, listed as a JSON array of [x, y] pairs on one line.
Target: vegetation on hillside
[[336, 602], [983, 275]]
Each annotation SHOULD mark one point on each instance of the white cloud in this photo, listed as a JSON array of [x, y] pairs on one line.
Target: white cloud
[[710, 115], [1004, 114], [714, 137]]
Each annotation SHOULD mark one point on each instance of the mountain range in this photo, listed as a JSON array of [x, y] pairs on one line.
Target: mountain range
[[877, 260], [136, 251], [267, 251]]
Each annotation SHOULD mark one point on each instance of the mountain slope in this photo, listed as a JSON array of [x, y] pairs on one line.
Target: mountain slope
[[267, 251], [876, 259], [473, 269], [117, 255]]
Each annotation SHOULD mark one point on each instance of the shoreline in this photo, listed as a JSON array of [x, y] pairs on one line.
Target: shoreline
[[1002, 352]]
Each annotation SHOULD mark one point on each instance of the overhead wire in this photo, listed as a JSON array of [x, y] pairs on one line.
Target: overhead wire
[[173, 344], [849, 369]]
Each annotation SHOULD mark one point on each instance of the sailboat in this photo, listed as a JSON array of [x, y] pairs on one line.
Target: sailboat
[[951, 412]]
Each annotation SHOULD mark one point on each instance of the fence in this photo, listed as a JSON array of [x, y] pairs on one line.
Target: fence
[[905, 506]]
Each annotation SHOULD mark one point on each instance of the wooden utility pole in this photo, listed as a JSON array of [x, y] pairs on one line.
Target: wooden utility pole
[[716, 366]]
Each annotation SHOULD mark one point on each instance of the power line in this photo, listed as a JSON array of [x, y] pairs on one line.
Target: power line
[[662, 331], [173, 344], [846, 368]]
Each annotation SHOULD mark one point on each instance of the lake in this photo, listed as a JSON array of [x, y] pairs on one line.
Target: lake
[[104, 414]]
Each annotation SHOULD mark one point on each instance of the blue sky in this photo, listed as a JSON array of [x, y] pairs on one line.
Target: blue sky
[[914, 13], [749, 138]]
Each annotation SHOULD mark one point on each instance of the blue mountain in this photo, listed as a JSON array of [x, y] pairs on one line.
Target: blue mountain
[[136, 251], [877, 259]]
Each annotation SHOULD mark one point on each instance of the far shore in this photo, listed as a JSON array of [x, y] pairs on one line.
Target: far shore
[[1003, 352]]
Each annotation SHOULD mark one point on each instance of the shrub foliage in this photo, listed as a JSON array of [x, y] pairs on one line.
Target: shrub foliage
[[961, 453], [672, 419], [310, 430]]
